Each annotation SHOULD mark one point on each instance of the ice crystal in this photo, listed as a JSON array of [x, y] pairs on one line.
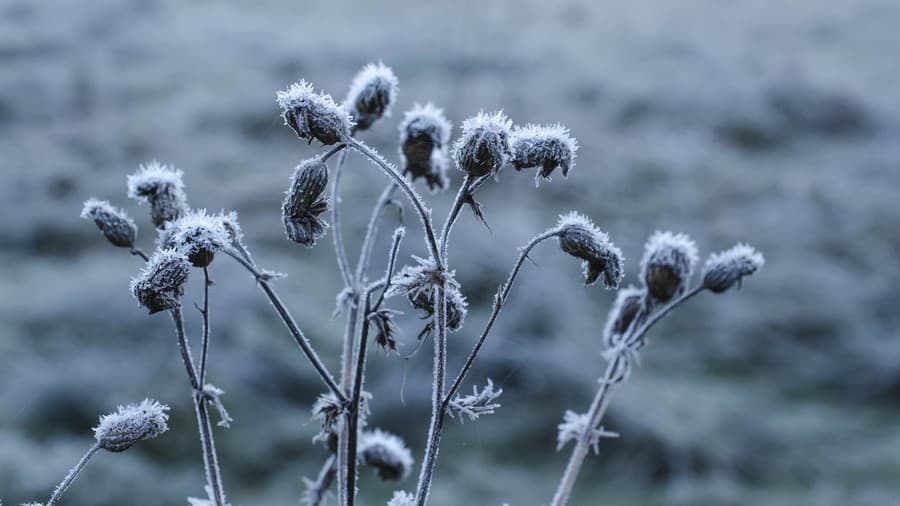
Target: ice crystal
[[476, 404]]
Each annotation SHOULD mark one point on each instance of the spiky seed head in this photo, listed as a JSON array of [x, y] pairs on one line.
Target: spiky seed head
[[622, 313], [546, 147], [232, 226], [387, 453], [305, 201], [483, 147], [580, 238], [417, 283], [727, 268], [327, 409], [115, 225], [424, 142], [313, 115], [667, 265], [197, 235], [372, 93], [120, 430], [162, 187], [158, 287], [402, 498], [386, 328]]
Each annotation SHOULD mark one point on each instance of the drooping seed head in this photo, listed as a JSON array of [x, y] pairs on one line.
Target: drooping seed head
[[372, 93], [418, 282], [624, 309], [159, 285], [667, 265], [162, 187], [197, 235], [313, 115], [546, 147], [402, 498], [424, 142], [120, 430], [580, 238], [305, 201], [115, 225], [727, 268], [483, 147], [387, 453], [386, 328]]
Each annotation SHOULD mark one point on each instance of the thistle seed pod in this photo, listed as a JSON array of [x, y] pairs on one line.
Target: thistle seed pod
[[120, 430], [372, 92], [162, 187], [424, 142], [196, 235], [668, 265], [387, 453], [401, 498], [116, 226], [457, 308], [313, 115], [417, 283], [547, 147], [305, 201], [727, 268], [484, 146], [159, 285], [581, 239], [624, 309]]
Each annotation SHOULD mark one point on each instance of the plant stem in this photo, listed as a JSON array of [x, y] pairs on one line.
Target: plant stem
[[437, 419], [315, 495], [73, 473], [353, 414], [454, 213], [204, 344], [365, 253], [659, 315], [339, 250], [138, 253]]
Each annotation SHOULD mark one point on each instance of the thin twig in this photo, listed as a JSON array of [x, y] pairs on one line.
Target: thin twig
[[353, 414], [340, 252], [204, 344], [454, 213], [437, 395], [73, 473], [365, 253]]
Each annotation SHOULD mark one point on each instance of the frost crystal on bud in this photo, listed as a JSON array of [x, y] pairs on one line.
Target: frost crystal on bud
[[580, 238], [116, 226], [424, 142], [326, 409], [305, 201], [475, 404], [387, 453], [313, 115], [372, 92], [484, 146], [417, 283], [723, 270], [130, 424], [162, 187], [624, 309], [159, 285], [401, 498], [197, 235], [668, 265], [547, 147]]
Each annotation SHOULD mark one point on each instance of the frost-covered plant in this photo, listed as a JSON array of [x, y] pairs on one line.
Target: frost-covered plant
[[162, 187], [115, 224], [424, 145], [545, 147]]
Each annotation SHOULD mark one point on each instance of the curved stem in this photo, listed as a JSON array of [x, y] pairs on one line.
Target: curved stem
[[315, 494], [138, 253], [204, 343], [659, 315], [437, 411], [353, 415], [365, 253], [73, 473], [454, 213], [339, 250]]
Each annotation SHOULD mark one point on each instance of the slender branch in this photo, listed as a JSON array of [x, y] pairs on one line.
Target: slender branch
[[73, 473], [138, 253], [315, 494], [331, 152], [454, 213], [204, 344], [437, 407], [339, 250], [353, 415], [389, 272], [659, 315], [365, 253]]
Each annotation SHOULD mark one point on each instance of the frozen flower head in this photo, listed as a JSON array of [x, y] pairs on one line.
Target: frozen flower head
[[724, 270], [120, 430], [197, 235], [484, 146], [401, 498], [372, 93], [417, 283], [387, 453], [313, 115], [159, 285], [624, 310], [116, 226], [305, 201], [668, 265], [162, 187], [424, 142], [581, 239], [546, 147]]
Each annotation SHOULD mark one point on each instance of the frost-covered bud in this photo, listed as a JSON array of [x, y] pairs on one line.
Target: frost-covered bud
[[116, 226], [457, 308], [372, 93], [387, 453], [624, 309], [162, 187], [668, 265], [580, 238], [417, 283], [197, 235], [159, 285], [401, 498], [424, 142], [120, 430], [305, 201], [547, 147], [313, 115], [484, 146], [724, 269]]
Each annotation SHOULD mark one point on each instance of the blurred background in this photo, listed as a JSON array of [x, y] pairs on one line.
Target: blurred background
[[773, 123]]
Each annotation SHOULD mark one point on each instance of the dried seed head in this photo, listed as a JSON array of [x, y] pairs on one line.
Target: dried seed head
[[417, 283], [120, 430], [197, 235], [305, 201], [424, 142], [327, 409], [727, 268], [668, 265], [484, 146], [387, 453], [162, 187], [385, 328], [401, 498], [580, 238], [624, 309], [116, 226], [313, 115], [159, 285], [547, 147], [372, 92]]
